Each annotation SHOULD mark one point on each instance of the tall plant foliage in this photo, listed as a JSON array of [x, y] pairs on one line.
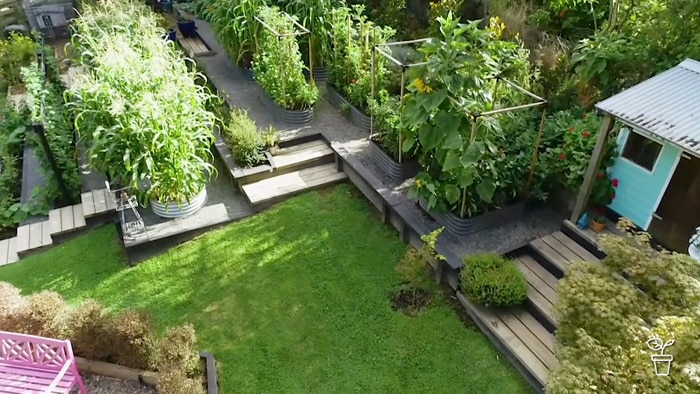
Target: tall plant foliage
[[462, 154], [138, 107]]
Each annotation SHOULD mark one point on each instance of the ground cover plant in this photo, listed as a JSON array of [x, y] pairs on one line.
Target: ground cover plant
[[16, 51], [138, 108], [13, 126], [294, 299]]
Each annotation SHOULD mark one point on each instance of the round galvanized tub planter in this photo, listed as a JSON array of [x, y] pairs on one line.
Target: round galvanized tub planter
[[320, 74], [174, 210], [357, 117], [247, 73], [292, 117], [462, 227], [393, 169]]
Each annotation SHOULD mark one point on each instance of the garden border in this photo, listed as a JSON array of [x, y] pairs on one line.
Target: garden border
[[356, 116], [462, 227], [395, 170], [294, 117]]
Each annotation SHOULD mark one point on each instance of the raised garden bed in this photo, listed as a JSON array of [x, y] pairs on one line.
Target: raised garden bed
[[462, 227], [320, 74], [395, 170], [292, 117], [356, 116]]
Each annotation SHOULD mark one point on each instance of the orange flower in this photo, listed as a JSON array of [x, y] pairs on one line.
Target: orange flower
[[562, 14], [585, 134]]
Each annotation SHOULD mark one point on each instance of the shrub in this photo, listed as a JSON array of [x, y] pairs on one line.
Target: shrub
[[16, 52], [89, 328], [493, 281], [133, 339], [244, 139], [44, 315], [175, 381], [178, 349], [605, 320]]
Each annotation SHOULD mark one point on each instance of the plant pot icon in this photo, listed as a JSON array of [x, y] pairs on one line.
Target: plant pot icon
[[662, 364]]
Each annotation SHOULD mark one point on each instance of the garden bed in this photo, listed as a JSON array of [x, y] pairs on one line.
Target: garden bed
[[395, 171], [356, 116], [292, 117], [320, 74], [462, 227]]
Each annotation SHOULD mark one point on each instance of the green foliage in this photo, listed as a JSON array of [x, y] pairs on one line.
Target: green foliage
[[412, 267], [49, 109], [16, 52], [493, 281], [243, 137], [271, 137], [605, 320], [460, 152], [315, 16], [442, 9], [139, 108], [233, 22], [385, 110], [350, 72], [574, 18], [278, 66]]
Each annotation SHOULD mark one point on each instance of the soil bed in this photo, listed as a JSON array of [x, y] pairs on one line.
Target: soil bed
[[409, 301]]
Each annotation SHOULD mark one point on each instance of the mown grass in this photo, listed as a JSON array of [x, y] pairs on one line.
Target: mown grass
[[293, 300]]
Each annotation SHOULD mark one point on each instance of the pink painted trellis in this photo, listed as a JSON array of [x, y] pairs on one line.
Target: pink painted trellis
[[37, 365]]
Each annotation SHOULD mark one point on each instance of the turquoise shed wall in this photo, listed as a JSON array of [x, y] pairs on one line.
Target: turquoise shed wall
[[639, 191]]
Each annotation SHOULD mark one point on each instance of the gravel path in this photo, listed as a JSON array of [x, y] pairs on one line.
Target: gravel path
[[537, 222], [97, 384]]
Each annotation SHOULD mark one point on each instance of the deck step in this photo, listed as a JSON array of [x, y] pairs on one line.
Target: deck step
[[96, 202], [560, 251], [8, 251], [206, 217], [286, 185], [66, 219], [298, 155], [542, 290], [520, 336], [33, 236]]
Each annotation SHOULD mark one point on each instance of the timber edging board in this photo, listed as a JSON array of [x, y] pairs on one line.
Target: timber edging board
[[211, 372]]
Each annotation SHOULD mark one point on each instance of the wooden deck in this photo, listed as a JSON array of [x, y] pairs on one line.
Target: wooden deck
[[195, 46], [286, 185], [560, 251], [542, 288], [301, 154]]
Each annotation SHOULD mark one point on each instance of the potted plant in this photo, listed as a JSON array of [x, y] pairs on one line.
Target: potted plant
[[186, 24], [598, 224], [602, 195], [237, 30], [350, 70], [164, 132], [271, 139], [278, 69], [694, 245]]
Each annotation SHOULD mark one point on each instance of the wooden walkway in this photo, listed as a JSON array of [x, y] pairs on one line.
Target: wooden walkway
[[560, 251], [194, 46], [37, 236]]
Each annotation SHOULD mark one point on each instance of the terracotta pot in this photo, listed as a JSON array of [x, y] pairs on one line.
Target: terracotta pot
[[597, 227]]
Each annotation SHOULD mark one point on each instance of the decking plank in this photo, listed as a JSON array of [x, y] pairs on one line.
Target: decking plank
[[546, 337], [540, 302], [4, 251], [55, 221], [270, 188], [78, 217], [12, 251], [529, 339], [562, 249], [46, 233], [538, 269], [538, 284], [22, 238], [35, 235], [99, 197], [301, 156], [295, 148], [110, 200], [88, 204], [67, 219], [550, 254], [575, 247]]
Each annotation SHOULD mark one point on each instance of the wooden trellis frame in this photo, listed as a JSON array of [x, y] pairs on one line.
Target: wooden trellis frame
[[302, 31], [404, 66]]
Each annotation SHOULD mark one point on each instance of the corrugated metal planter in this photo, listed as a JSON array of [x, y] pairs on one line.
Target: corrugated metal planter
[[320, 74], [247, 73], [174, 210], [462, 227], [293, 117], [395, 170], [357, 117]]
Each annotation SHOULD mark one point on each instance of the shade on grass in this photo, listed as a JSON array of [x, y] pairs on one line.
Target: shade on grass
[[292, 300]]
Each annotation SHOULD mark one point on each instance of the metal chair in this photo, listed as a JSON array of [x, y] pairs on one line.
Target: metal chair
[[124, 202]]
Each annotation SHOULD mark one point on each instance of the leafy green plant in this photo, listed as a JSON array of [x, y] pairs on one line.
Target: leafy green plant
[[386, 115], [315, 16], [278, 66], [459, 151], [243, 137], [604, 320], [14, 123], [233, 22], [16, 52], [350, 72], [139, 108], [493, 281], [271, 137]]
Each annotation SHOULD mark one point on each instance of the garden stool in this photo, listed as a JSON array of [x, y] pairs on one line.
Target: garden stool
[[124, 202]]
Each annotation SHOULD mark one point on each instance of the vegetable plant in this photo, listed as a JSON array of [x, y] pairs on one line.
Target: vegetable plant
[[15, 52], [315, 16], [278, 66], [139, 107], [233, 22], [245, 140]]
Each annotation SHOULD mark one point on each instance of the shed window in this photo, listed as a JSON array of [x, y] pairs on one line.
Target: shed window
[[641, 150]]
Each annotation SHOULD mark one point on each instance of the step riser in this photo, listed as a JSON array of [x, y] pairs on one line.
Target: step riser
[[583, 241], [326, 159], [545, 262], [540, 316], [268, 203]]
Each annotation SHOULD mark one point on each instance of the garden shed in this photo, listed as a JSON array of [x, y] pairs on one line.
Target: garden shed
[[50, 17], [658, 164]]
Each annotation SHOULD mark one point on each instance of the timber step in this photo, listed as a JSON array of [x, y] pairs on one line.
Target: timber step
[[286, 185], [520, 336], [542, 290], [194, 46], [66, 219], [557, 251], [33, 236], [8, 251], [206, 217], [97, 202], [302, 154]]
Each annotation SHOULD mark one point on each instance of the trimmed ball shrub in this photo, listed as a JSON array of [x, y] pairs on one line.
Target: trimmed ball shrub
[[493, 281]]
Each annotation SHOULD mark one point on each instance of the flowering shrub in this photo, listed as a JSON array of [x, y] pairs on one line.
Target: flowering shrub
[[575, 137]]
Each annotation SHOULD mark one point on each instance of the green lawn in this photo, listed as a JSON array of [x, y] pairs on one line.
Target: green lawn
[[292, 300]]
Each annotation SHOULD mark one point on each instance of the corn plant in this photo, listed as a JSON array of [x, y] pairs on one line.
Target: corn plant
[[315, 15], [233, 22], [138, 107]]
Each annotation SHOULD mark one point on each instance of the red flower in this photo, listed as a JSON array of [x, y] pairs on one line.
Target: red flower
[[585, 134], [571, 129], [584, 116], [353, 80], [615, 182], [562, 156], [601, 175], [612, 195], [562, 14]]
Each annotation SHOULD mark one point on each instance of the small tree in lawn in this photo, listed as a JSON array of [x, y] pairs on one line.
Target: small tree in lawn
[[610, 312], [413, 266]]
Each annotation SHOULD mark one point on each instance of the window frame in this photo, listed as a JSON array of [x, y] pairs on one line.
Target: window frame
[[634, 163]]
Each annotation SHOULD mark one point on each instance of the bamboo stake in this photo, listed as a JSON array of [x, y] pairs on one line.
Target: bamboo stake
[[311, 60], [472, 138], [495, 93], [535, 153], [403, 84], [374, 77]]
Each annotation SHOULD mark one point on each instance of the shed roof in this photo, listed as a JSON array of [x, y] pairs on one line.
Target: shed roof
[[666, 105]]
